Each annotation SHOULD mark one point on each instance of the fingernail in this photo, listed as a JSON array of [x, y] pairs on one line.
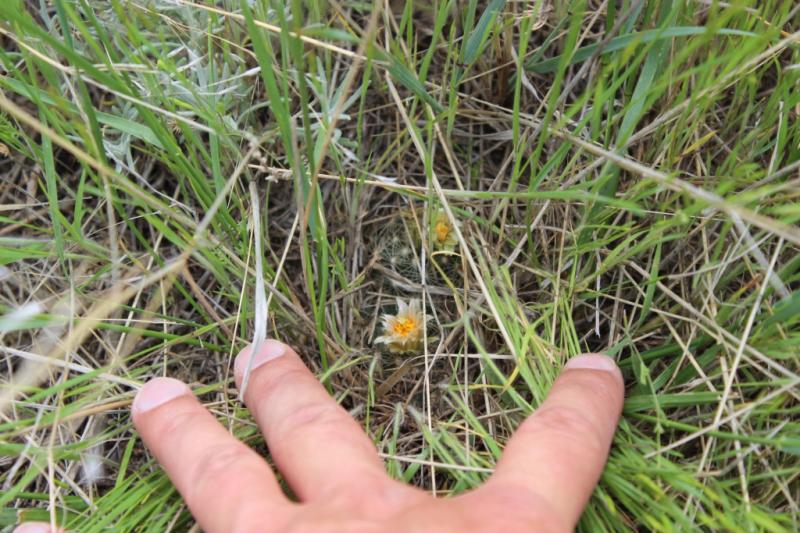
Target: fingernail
[[157, 392], [269, 350], [33, 527], [591, 362]]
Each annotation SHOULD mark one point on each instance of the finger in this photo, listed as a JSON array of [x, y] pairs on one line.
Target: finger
[[559, 452], [316, 444], [226, 485]]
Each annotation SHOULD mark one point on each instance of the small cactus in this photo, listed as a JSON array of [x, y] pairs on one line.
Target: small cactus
[[404, 332], [444, 234]]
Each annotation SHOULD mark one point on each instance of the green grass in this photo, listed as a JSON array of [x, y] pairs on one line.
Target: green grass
[[624, 177]]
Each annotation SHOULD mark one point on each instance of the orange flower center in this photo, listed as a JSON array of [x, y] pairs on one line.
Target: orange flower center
[[442, 230], [403, 326]]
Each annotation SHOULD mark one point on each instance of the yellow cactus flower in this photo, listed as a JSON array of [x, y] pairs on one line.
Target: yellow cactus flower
[[444, 235], [404, 332]]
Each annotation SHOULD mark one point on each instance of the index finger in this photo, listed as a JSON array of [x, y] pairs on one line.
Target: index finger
[[226, 485], [558, 453]]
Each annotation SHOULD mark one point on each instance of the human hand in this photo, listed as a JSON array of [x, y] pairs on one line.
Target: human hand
[[542, 482]]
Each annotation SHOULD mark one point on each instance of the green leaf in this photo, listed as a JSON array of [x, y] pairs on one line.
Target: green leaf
[[645, 402], [122, 124], [479, 34], [785, 312], [623, 41], [409, 80]]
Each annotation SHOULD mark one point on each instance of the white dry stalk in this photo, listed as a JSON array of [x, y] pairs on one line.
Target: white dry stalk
[[262, 300], [262, 307], [18, 317]]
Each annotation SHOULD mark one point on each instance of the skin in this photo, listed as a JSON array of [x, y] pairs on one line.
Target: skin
[[542, 482]]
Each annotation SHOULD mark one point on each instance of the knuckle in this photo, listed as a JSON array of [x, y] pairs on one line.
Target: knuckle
[[324, 418], [286, 374], [568, 424], [279, 382], [217, 465], [222, 460], [180, 422]]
